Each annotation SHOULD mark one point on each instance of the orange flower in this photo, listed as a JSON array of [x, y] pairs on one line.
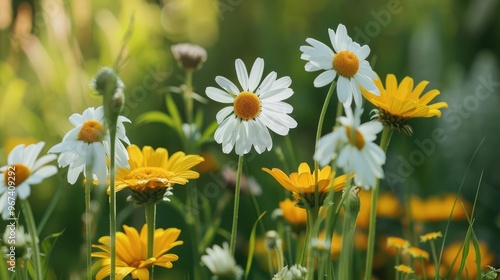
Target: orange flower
[[438, 208], [294, 215], [397, 242], [417, 253], [387, 206], [470, 271], [430, 236]]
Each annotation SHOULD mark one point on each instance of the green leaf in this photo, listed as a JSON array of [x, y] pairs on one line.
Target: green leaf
[[208, 134], [251, 245], [155, 116], [46, 249], [174, 113]]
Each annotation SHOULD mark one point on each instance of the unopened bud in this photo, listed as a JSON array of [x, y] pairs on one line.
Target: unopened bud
[[189, 56]]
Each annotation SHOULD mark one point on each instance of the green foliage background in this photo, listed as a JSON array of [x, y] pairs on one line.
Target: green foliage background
[[46, 65]]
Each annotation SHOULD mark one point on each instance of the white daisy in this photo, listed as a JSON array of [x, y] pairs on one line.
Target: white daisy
[[220, 262], [347, 59], [89, 142], [254, 109], [23, 169], [352, 145]]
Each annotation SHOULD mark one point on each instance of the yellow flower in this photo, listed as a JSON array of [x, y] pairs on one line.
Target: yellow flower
[[131, 252], [153, 169], [417, 253], [302, 183], [397, 104], [430, 236], [294, 215], [438, 208], [397, 242], [404, 268], [452, 255]]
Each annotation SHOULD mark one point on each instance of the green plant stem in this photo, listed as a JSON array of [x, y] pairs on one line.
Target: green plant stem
[[150, 211], [214, 225], [423, 268], [398, 274], [53, 203], [384, 144], [434, 256], [234, 229], [318, 135], [188, 100], [88, 221], [30, 224], [348, 231], [112, 201], [311, 220]]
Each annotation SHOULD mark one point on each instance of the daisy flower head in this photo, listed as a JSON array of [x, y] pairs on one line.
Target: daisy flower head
[[398, 103], [131, 247], [255, 107], [151, 172], [221, 263], [23, 170], [302, 183], [347, 60], [352, 145], [88, 143]]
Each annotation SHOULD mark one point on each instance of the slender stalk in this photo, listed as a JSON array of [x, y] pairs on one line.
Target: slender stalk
[[318, 135], [112, 204], [88, 221], [150, 211], [234, 229], [350, 216], [434, 256], [30, 224], [188, 100], [423, 268], [384, 144], [311, 220], [398, 274], [214, 225], [53, 203]]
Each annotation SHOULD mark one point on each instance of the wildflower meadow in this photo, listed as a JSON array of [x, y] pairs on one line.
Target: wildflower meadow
[[242, 139]]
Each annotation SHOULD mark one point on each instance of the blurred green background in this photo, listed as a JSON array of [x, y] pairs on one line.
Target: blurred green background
[[51, 49]]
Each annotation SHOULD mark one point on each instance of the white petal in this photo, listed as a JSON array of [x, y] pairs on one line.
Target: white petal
[[31, 153], [223, 113], [242, 73], [356, 92], [343, 91], [42, 173], [219, 95], [310, 67], [325, 78], [278, 107], [320, 47], [227, 85], [283, 82], [267, 83], [280, 95], [16, 155], [363, 52], [43, 160], [256, 74], [367, 83], [23, 191]]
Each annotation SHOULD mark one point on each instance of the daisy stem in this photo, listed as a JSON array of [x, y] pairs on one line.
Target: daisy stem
[[150, 209], [351, 210], [318, 135], [30, 223], [398, 274], [384, 144], [236, 206], [423, 268], [88, 221]]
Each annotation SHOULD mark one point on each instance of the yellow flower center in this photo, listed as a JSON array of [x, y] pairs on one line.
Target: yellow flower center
[[149, 177], [346, 64], [247, 105], [21, 173], [359, 141], [92, 131]]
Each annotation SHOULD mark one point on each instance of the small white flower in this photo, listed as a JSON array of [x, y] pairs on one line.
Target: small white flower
[[296, 272], [254, 109], [347, 59], [23, 169], [220, 262], [320, 244], [89, 142], [352, 145]]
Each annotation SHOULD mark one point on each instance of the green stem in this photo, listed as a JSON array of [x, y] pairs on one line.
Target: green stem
[[384, 144], [112, 201], [397, 263], [214, 225], [53, 203], [348, 234], [318, 135], [236, 206], [150, 211], [88, 221], [311, 220], [434, 256], [30, 224], [188, 100], [423, 268]]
